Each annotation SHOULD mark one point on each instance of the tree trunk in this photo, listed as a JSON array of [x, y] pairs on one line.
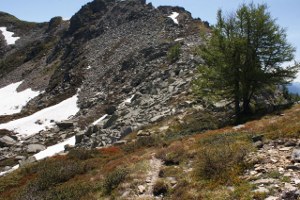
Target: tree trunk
[[246, 106]]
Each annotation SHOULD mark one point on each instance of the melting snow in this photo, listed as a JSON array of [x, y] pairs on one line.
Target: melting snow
[[57, 148], [174, 16], [28, 126], [99, 120], [179, 39], [11, 101], [130, 99], [8, 36]]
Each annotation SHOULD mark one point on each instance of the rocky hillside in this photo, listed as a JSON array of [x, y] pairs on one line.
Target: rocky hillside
[[107, 96], [114, 68]]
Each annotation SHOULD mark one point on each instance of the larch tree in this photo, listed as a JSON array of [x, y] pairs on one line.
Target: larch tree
[[243, 55]]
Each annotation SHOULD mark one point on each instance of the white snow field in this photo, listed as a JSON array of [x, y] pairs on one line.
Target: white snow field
[[11, 101], [174, 16], [8, 36], [43, 119]]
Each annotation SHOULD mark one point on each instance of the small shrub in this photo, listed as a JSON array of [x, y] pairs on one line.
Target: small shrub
[[70, 192], [222, 158], [113, 179], [174, 53], [52, 172], [160, 188], [151, 141], [172, 155], [82, 154]]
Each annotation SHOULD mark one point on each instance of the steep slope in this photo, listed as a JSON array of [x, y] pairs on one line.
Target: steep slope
[[126, 63]]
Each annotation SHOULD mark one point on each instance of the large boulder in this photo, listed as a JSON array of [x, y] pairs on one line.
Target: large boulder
[[27, 161], [7, 141], [295, 157], [110, 121], [65, 125], [34, 148]]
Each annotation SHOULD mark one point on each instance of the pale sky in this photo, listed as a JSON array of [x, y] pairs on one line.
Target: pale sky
[[285, 11]]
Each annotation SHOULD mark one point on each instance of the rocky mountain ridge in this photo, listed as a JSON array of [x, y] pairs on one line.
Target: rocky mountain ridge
[[124, 60]]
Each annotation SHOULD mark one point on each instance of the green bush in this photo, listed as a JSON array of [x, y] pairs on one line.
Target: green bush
[[49, 174], [70, 192], [160, 188], [82, 154], [174, 53], [143, 142], [113, 179], [222, 158], [172, 155]]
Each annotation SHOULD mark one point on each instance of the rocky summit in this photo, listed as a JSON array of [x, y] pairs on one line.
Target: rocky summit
[[127, 64]]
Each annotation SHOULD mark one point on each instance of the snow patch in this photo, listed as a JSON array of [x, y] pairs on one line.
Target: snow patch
[[130, 99], [11, 101], [179, 39], [89, 67], [8, 36], [174, 16], [55, 149], [100, 119], [28, 126]]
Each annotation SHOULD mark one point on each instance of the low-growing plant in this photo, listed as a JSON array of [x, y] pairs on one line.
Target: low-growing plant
[[222, 158], [160, 188], [172, 155], [174, 53], [82, 154], [113, 179]]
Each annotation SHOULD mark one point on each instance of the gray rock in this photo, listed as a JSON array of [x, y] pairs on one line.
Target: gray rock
[[110, 110], [65, 125], [79, 137], [141, 189], [110, 121], [265, 181], [7, 141], [120, 142], [295, 157], [257, 138], [290, 143], [262, 190], [20, 158], [34, 148], [68, 147], [292, 167], [27, 161], [259, 144], [272, 198], [290, 195], [125, 131], [286, 149], [142, 133], [156, 118]]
